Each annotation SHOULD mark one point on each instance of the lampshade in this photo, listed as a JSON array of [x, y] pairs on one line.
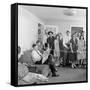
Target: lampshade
[[69, 12]]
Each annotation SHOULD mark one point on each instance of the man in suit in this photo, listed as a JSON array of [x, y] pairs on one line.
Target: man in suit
[[50, 41]]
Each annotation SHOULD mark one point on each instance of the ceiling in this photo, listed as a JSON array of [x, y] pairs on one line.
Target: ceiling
[[53, 13]]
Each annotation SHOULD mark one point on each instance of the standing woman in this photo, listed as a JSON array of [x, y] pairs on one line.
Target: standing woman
[[57, 50], [81, 50], [73, 55], [61, 47]]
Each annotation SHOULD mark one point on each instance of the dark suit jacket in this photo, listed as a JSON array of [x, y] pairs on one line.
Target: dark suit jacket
[[50, 41]]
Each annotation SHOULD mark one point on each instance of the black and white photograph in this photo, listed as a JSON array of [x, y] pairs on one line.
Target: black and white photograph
[[52, 44]]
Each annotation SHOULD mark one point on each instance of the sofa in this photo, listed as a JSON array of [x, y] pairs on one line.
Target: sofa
[[32, 67]]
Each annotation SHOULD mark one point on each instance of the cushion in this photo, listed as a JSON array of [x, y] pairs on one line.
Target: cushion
[[22, 70], [33, 77], [26, 57]]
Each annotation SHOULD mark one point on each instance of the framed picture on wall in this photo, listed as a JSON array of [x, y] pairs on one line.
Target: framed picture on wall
[[40, 32], [52, 28], [55, 54]]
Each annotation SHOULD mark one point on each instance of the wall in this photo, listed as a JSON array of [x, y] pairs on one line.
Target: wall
[[27, 28], [64, 25]]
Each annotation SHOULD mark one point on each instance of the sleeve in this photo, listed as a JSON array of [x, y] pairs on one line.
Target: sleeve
[[76, 44], [70, 40], [53, 38], [55, 43], [33, 55], [71, 44], [47, 40], [64, 42], [40, 53]]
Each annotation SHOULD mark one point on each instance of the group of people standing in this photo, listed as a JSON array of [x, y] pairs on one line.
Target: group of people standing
[[67, 50]]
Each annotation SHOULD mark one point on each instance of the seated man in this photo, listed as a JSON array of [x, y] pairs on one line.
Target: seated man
[[37, 57], [36, 54]]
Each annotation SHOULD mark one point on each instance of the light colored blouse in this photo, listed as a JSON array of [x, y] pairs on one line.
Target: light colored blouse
[[66, 40], [56, 43], [36, 55]]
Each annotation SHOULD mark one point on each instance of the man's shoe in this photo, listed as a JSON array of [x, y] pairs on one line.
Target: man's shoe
[[55, 75]]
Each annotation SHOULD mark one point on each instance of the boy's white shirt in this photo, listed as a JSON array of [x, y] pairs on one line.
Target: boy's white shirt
[[66, 40], [36, 56]]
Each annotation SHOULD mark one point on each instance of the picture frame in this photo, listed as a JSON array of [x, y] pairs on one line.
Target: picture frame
[[15, 40]]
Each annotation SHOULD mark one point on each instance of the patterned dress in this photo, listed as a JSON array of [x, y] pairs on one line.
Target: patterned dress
[[57, 49], [81, 50]]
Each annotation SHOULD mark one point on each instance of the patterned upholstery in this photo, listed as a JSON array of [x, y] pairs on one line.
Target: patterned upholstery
[[40, 68], [22, 70], [26, 57]]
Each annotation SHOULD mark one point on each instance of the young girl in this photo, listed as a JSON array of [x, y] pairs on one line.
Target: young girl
[[81, 50], [57, 50]]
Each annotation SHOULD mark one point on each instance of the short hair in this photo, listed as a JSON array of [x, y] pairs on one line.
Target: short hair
[[39, 24], [73, 35], [38, 41], [50, 32], [60, 33], [56, 36], [82, 31], [33, 45], [67, 31], [81, 36]]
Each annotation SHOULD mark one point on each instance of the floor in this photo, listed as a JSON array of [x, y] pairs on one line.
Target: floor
[[68, 75]]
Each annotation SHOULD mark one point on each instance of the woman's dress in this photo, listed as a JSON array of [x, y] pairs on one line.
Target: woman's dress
[[81, 50], [57, 49]]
